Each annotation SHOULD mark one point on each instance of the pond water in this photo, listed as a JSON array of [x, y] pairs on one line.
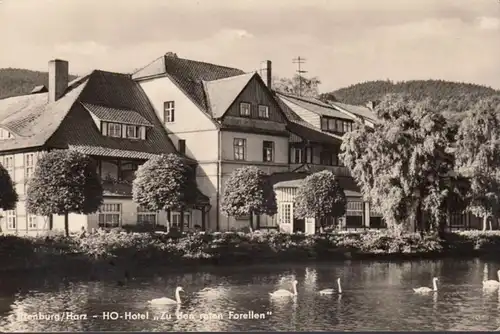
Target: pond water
[[376, 296]]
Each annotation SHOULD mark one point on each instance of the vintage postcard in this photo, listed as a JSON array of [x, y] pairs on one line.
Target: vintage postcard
[[249, 165]]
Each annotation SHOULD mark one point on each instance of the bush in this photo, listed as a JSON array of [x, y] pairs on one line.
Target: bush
[[151, 249]]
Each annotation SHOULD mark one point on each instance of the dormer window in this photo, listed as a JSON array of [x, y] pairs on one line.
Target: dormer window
[[132, 132], [4, 134], [114, 130], [245, 109]]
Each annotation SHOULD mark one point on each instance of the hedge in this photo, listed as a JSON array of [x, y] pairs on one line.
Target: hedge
[[155, 249]]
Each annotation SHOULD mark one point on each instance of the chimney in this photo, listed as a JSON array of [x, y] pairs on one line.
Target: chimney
[[269, 74], [371, 105], [58, 79]]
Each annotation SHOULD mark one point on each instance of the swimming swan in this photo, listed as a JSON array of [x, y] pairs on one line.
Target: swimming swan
[[331, 291], [168, 301], [285, 293], [425, 289], [492, 283]]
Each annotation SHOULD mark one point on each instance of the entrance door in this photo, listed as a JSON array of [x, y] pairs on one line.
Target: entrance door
[[285, 214]]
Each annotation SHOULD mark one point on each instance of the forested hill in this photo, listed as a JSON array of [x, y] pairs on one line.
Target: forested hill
[[360, 94], [15, 81]]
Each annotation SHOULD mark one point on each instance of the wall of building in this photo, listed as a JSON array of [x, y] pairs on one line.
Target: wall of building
[[254, 147], [190, 122]]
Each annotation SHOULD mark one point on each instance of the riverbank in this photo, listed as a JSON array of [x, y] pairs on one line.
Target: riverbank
[[135, 250]]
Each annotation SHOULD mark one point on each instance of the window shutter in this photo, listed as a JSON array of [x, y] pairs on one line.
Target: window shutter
[[172, 112], [124, 131], [104, 128], [142, 132]]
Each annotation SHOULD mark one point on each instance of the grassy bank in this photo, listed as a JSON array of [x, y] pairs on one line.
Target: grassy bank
[[146, 249]]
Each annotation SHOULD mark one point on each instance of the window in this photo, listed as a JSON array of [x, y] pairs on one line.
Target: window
[[324, 123], [296, 157], [267, 151], [28, 167], [32, 222], [182, 146], [336, 125], [245, 109], [176, 219], [286, 213], [169, 112], [263, 111], [8, 164], [114, 130], [331, 125], [146, 216], [132, 131], [11, 219], [4, 134], [110, 215], [187, 219], [239, 148]]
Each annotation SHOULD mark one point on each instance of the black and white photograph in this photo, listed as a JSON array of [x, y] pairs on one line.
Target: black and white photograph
[[249, 165]]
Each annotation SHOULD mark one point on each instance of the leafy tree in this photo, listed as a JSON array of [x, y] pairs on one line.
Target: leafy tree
[[64, 182], [164, 182], [8, 194], [402, 164], [477, 157], [320, 197], [297, 85], [248, 192]]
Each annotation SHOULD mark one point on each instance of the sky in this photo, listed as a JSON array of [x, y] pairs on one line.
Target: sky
[[344, 42]]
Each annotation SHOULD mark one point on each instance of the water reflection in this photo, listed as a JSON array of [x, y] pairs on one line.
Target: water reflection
[[376, 296]]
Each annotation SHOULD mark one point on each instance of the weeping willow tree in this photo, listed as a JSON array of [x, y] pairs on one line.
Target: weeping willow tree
[[478, 157], [401, 164]]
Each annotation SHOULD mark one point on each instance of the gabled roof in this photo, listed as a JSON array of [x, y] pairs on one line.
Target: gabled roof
[[67, 124], [187, 74], [109, 114], [222, 93]]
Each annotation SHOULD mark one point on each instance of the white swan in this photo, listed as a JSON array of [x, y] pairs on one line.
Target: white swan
[[425, 289], [285, 293], [168, 301], [492, 283], [331, 291]]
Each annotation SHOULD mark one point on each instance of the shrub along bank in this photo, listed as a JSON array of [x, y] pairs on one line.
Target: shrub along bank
[[149, 249]]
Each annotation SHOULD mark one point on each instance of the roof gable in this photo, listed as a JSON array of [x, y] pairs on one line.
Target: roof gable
[[188, 75], [223, 92]]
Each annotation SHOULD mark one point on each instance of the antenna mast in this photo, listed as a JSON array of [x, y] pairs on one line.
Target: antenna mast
[[299, 61]]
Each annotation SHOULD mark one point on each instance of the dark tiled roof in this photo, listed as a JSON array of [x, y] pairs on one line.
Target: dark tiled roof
[[111, 152], [119, 92], [188, 75], [66, 123], [116, 115]]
